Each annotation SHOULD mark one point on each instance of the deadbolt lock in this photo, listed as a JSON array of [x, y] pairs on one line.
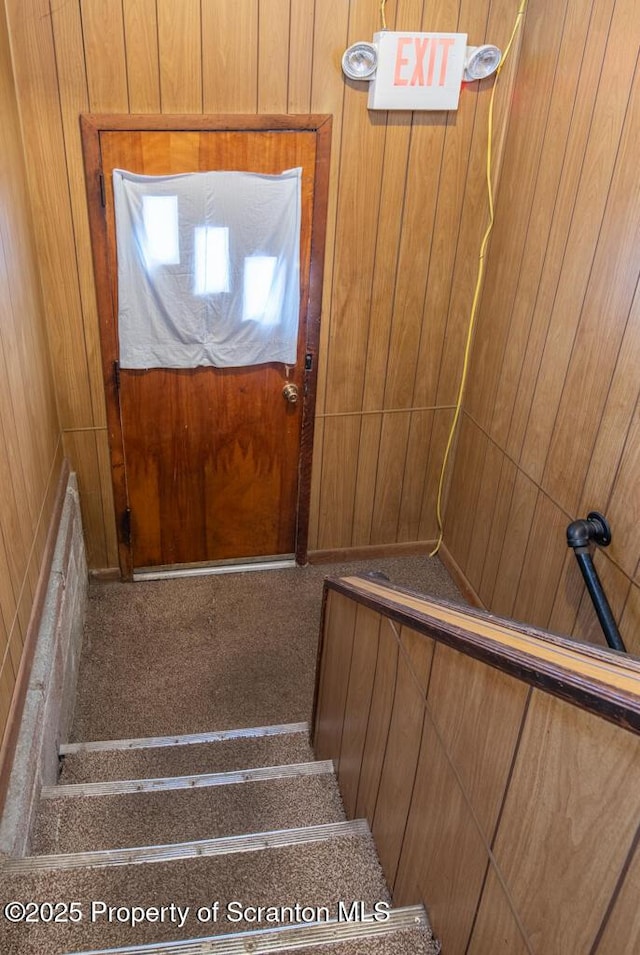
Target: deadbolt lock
[[290, 393]]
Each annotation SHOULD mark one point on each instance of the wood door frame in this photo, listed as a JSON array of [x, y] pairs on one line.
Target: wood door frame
[[92, 125]]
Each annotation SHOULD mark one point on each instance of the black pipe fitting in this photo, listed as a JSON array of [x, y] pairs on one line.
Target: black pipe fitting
[[595, 528]]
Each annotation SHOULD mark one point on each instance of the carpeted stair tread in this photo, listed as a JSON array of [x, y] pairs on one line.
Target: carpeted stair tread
[[414, 941], [318, 874], [181, 760], [77, 823]]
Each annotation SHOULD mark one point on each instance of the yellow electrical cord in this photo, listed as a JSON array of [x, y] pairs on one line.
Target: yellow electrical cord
[[479, 278], [383, 4]]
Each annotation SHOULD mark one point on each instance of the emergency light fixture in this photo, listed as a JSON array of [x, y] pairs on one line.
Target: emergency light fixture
[[412, 71]]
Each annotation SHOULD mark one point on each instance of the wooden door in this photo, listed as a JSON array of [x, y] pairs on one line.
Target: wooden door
[[209, 463]]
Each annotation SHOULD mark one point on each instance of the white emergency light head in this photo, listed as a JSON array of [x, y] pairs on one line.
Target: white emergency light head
[[360, 60], [481, 61]]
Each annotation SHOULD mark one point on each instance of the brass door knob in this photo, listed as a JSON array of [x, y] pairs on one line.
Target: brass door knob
[[290, 393]]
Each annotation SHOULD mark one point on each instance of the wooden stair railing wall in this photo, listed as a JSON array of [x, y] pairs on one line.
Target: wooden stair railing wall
[[498, 767]]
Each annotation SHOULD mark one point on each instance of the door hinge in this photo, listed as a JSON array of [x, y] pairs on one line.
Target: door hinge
[[103, 198], [125, 526], [116, 374]]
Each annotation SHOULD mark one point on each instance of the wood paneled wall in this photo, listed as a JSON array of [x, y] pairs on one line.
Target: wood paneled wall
[[552, 414], [407, 208], [511, 814], [30, 445]]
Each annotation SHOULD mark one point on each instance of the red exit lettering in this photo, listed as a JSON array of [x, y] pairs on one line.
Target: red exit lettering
[[421, 60]]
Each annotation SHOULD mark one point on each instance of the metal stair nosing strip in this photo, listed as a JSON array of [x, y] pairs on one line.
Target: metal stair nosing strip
[[166, 783], [283, 938], [202, 848], [153, 742]]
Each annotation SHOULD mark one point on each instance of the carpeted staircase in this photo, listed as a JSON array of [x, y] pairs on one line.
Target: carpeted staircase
[[232, 841]]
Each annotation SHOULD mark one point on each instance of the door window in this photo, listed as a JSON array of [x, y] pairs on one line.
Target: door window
[[208, 268]]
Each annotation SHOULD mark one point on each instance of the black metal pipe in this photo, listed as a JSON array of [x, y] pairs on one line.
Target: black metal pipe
[[600, 602], [579, 535]]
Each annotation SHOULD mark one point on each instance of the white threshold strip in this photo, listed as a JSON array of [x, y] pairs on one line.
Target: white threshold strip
[[207, 570], [153, 742], [201, 848], [201, 780], [285, 938]]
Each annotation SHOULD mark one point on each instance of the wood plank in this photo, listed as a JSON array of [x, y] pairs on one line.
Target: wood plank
[[421, 463], [358, 706], [465, 488], [616, 76], [443, 859], [301, 33], [378, 726], [477, 712], [539, 579], [385, 273], [327, 96], [7, 686], [622, 927], [8, 598], [610, 292], [105, 58], [483, 529], [141, 45], [230, 56], [512, 557], [414, 255], [108, 506], [459, 223], [274, 39], [74, 99], [16, 640], [623, 509], [15, 528], [366, 480], [42, 558], [516, 192], [80, 448], [564, 790], [496, 928], [28, 417], [417, 652], [37, 87], [338, 638], [182, 39], [617, 418], [568, 596], [390, 473], [355, 238], [314, 502], [398, 769], [442, 420], [575, 33], [338, 488], [499, 522], [630, 622], [563, 207]]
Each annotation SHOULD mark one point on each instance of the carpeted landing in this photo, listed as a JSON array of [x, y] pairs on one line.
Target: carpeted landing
[[178, 841], [201, 653]]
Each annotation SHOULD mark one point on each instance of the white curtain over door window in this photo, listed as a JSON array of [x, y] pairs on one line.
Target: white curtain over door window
[[208, 268]]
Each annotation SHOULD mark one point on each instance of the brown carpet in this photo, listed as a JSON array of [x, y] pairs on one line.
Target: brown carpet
[[211, 653], [320, 874], [77, 824], [189, 655]]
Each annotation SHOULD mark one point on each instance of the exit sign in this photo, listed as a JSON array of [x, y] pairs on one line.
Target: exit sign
[[418, 70]]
